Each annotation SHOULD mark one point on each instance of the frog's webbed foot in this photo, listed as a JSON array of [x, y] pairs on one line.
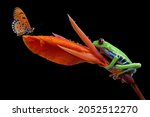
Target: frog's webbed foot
[[115, 73], [115, 76]]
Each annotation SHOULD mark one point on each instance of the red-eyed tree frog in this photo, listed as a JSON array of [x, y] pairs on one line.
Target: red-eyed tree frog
[[119, 60]]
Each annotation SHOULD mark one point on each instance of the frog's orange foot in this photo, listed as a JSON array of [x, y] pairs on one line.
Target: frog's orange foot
[[115, 76]]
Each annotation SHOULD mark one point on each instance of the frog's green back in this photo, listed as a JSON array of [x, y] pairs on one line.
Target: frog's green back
[[116, 51]]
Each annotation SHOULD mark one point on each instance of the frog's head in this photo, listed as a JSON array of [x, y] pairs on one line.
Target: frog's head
[[101, 43]]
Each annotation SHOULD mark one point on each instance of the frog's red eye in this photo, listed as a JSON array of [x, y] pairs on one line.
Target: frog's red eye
[[101, 41]]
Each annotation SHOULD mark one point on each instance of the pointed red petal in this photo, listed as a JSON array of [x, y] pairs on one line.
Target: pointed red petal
[[88, 57], [87, 41], [46, 47]]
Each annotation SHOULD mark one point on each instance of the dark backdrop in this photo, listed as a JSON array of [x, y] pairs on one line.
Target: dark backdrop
[[28, 76]]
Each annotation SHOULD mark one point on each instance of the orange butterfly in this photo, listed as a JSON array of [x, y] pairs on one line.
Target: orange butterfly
[[21, 25]]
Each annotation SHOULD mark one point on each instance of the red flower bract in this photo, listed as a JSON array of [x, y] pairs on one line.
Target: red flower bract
[[52, 48]]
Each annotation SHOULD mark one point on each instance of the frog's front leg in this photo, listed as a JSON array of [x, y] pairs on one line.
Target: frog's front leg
[[111, 65], [113, 62]]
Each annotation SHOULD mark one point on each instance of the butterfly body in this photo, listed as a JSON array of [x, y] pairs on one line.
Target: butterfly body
[[21, 25]]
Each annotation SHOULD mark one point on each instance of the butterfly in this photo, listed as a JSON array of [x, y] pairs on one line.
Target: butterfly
[[20, 25]]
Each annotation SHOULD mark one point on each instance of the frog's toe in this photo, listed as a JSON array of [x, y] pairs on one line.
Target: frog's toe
[[115, 76]]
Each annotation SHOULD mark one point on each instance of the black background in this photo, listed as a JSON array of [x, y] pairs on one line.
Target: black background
[[28, 76]]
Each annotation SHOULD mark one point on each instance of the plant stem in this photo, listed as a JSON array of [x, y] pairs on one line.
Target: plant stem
[[137, 91], [129, 79]]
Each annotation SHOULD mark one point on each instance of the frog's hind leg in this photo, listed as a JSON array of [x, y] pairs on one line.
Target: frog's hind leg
[[130, 71], [116, 75], [128, 66]]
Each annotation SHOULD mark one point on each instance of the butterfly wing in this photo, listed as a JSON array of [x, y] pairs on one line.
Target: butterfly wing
[[21, 24], [20, 15], [18, 27]]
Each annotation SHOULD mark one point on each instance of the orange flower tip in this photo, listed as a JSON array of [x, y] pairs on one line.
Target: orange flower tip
[[71, 20], [59, 36], [68, 16], [26, 36]]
